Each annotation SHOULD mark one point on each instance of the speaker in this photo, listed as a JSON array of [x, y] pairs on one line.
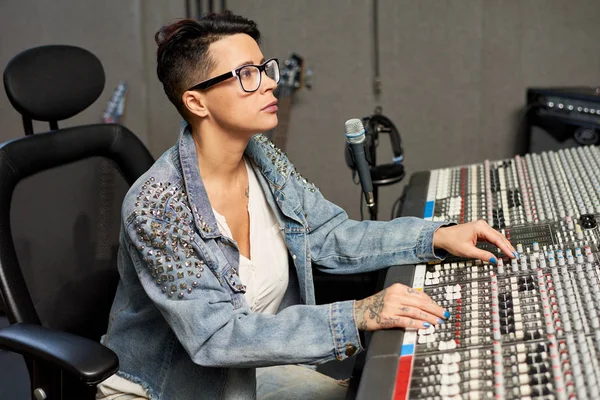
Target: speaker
[[558, 118]]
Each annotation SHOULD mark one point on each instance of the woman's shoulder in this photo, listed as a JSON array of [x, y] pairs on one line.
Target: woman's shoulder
[[150, 192]]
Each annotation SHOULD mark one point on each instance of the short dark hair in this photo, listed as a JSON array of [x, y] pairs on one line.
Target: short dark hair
[[182, 58]]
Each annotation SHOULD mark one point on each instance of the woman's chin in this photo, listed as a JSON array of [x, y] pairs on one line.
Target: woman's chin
[[268, 125]]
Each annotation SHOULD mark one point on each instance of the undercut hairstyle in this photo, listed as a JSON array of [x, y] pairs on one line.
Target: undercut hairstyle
[[183, 59]]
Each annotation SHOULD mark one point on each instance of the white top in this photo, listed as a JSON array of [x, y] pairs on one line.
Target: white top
[[265, 274]]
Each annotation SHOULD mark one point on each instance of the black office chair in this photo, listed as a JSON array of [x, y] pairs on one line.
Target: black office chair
[[60, 199]]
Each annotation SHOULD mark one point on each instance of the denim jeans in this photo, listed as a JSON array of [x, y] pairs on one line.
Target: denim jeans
[[295, 382]]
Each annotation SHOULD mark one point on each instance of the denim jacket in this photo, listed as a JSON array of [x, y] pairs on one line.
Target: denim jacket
[[179, 322]]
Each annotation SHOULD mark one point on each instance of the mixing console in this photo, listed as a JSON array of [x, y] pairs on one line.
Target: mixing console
[[526, 327]]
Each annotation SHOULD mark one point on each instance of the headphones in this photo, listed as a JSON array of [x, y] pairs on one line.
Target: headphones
[[384, 174]]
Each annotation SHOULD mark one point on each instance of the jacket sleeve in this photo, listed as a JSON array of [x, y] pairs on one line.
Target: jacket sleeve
[[176, 274], [343, 246]]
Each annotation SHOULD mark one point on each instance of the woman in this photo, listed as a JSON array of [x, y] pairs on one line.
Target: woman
[[216, 296]]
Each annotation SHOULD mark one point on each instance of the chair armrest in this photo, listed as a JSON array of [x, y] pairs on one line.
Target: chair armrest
[[90, 361]]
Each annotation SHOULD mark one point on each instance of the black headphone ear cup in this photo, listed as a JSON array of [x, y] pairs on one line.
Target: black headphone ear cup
[[395, 139], [387, 173]]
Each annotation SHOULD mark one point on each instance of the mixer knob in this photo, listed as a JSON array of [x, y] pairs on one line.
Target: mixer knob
[[542, 262], [588, 221], [514, 265]]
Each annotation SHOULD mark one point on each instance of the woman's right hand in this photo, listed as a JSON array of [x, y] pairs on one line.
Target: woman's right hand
[[398, 306]]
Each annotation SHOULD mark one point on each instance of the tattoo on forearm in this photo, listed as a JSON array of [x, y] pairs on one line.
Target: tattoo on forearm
[[369, 309]]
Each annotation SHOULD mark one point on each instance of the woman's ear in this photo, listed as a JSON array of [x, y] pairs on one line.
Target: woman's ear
[[195, 102]]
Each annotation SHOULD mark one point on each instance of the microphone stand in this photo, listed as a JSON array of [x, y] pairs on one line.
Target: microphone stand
[[373, 208]]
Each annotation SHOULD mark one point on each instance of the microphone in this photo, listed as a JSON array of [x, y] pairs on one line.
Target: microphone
[[355, 137]]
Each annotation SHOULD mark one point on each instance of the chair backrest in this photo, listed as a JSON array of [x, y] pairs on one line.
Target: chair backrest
[[61, 194], [58, 241], [52, 83]]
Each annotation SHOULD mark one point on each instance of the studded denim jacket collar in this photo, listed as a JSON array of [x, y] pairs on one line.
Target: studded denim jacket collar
[[271, 162]]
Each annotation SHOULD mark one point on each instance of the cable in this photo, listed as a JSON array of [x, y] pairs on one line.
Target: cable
[[188, 9], [377, 77], [362, 217], [396, 202]]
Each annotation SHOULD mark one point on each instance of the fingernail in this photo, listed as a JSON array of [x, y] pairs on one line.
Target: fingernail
[[426, 324], [440, 321], [517, 255], [446, 314], [493, 260]]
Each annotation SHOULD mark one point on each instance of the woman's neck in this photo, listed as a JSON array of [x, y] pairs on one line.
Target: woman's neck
[[220, 153]]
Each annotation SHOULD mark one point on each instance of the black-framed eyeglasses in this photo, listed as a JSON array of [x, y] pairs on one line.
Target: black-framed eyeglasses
[[249, 76]]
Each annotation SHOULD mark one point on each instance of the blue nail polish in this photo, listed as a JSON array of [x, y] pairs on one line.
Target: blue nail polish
[[440, 321], [516, 255], [426, 324], [446, 314], [493, 260]]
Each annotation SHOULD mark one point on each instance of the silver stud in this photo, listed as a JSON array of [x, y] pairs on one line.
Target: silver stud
[[180, 295]]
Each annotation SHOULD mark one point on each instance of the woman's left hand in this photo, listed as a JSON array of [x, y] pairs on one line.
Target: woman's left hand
[[460, 240]]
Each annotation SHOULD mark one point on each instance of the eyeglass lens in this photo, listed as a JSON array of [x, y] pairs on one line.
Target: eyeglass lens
[[250, 76]]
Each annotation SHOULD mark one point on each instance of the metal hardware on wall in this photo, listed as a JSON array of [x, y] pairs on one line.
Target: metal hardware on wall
[[377, 77], [194, 8]]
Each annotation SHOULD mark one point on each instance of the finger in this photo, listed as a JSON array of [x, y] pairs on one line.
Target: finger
[[497, 239], [425, 303], [404, 322], [513, 251], [482, 255], [418, 314]]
